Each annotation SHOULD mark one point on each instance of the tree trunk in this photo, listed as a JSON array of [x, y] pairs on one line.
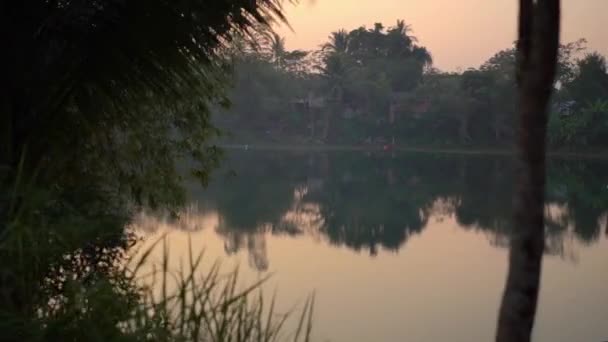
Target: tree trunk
[[537, 48]]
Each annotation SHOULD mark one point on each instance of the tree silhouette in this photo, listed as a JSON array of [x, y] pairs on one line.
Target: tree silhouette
[[537, 52], [110, 85]]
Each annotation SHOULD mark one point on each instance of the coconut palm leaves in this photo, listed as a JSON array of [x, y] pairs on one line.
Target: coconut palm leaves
[[116, 87]]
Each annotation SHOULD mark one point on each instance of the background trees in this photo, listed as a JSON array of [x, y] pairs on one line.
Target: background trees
[[355, 75], [369, 85], [581, 119]]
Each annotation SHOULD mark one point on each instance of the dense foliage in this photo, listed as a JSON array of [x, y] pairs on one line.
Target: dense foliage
[[100, 101], [116, 90], [375, 84]]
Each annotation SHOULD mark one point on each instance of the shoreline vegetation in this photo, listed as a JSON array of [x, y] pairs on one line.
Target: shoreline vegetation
[[458, 150], [100, 101], [368, 84]]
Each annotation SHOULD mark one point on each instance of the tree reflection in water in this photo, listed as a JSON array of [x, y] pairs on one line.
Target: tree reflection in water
[[368, 202]]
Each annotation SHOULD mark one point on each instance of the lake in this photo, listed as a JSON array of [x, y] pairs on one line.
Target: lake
[[400, 247]]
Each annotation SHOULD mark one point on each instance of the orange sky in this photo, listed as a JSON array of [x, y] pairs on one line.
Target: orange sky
[[460, 34]]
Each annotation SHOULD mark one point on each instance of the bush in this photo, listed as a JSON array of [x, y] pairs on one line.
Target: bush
[[66, 276]]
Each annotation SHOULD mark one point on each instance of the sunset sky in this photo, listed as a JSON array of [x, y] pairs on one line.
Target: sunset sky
[[459, 34]]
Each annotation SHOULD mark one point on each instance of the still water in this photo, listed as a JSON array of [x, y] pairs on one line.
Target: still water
[[400, 247]]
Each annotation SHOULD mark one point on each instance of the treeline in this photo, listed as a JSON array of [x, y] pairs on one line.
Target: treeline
[[377, 84]]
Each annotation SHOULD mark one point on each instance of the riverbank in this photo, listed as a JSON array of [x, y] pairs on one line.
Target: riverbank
[[557, 153]]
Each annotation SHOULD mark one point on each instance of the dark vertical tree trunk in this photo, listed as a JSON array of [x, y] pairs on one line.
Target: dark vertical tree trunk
[[537, 48]]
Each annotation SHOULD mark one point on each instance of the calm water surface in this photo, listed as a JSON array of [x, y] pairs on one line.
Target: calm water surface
[[406, 247]]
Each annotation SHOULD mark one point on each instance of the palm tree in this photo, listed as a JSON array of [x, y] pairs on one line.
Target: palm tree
[[537, 51], [422, 55], [333, 72], [402, 43], [101, 62], [296, 62], [403, 30], [338, 42], [277, 49], [337, 64]]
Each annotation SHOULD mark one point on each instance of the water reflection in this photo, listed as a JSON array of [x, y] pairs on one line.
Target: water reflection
[[315, 219], [368, 202]]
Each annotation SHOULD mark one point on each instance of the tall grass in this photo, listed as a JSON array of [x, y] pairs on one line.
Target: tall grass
[[189, 304], [64, 277]]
